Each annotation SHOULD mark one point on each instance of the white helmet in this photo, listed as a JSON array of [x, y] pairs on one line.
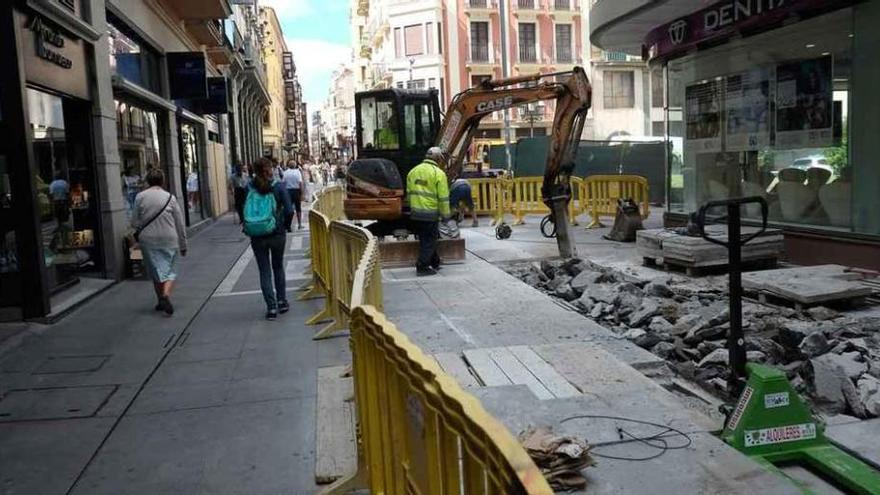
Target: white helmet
[[436, 154]]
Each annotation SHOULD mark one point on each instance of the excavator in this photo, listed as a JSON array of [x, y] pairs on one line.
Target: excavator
[[395, 127]]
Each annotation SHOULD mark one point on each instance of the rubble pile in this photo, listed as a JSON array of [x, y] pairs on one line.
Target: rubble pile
[[832, 358]]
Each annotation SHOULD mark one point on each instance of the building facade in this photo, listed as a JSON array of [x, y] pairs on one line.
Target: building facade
[[97, 93], [769, 99], [275, 117]]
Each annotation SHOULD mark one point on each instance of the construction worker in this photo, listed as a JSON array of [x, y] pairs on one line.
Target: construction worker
[[461, 200], [428, 196], [387, 136]]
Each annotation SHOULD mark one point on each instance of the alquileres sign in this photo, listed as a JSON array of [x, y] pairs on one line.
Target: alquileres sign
[[722, 19]]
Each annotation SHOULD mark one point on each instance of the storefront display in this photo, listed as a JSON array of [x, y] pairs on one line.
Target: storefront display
[[767, 116], [192, 170], [138, 134], [64, 184]]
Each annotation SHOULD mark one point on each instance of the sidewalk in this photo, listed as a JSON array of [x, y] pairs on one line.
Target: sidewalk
[[116, 398]]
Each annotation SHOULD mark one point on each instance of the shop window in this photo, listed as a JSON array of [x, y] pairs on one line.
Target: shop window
[[66, 202], [768, 116], [618, 89], [8, 252], [193, 171], [139, 138], [131, 58]]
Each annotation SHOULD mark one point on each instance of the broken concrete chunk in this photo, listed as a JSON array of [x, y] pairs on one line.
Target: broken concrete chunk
[[602, 293], [558, 281], [821, 313], [869, 394], [829, 379], [851, 395], [660, 324], [658, 289], [718, 356], [814, 344], [641, 316], [792, 333], [687, 322], [851, 363], [585, 302], [565, 292], [585, 279], [695, 336], [666, 350], [634, 333], [648, 340], [597, 310]]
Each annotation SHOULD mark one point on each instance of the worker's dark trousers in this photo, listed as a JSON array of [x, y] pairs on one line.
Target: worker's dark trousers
[[428, 233]]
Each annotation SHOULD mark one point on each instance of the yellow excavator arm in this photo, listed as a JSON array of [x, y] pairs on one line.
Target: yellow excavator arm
[[572, 92]]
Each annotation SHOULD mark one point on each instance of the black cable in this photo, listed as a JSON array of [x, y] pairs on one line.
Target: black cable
[[548, 220], [663, 446]]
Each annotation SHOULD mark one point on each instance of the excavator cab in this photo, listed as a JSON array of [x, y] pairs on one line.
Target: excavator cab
[[395, 127]]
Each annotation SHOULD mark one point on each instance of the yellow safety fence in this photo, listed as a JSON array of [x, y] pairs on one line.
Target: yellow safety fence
[[599, 195], [596, 196], [418, 431]]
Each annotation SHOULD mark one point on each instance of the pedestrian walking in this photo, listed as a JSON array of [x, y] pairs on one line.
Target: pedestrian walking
[[428, 196], [239, 184], [266, 207], [161, 235], [294, 184]]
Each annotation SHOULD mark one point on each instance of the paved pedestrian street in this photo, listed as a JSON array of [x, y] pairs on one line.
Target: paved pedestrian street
[[117, 398]]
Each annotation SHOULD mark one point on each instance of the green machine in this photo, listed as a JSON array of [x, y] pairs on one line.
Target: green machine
[[770, 423]]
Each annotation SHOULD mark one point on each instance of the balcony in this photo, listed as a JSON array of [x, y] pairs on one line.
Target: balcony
[[614, 56], [525, 4], [205, 32], [199, 9], [484, 7], [564, 10]]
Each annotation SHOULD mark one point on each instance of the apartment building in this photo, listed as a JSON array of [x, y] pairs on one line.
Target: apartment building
[[275, 116]]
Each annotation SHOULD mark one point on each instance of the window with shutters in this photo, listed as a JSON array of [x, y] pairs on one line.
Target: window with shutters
[[528, 52], [619, 89], [480, 41], [429, 38], [563, 43], [413, 40]]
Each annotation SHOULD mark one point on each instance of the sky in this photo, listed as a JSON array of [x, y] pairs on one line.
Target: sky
[[317, 32]]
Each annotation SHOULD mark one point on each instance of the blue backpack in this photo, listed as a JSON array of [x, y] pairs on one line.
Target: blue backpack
[[260, 213]]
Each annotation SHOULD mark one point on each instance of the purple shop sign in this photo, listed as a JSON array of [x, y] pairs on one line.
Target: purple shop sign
[[725, 18]]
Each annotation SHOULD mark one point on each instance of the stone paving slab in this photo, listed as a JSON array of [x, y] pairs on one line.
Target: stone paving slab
[[862, 437], [477, 305]]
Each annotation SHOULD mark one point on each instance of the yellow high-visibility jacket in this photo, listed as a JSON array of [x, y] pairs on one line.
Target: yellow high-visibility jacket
[[427, 192]]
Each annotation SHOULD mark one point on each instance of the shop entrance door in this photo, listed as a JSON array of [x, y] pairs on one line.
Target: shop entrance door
[[192, 169]]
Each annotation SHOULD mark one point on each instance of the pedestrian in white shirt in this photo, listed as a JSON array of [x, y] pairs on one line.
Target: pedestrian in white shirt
[[293, 182]]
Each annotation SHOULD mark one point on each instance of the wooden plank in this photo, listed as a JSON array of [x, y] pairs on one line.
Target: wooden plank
[[544, 372], [487, 371], [518, 374], [455, 366], [335, 450]]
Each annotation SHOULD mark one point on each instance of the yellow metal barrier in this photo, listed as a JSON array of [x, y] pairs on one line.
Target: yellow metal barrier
[[491, 197], [599, 194], [322, 276], [419, 432], [356, 274], [527, 198]]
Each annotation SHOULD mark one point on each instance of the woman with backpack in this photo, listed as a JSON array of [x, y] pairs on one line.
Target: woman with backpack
[[161, 234], [265, 209]]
